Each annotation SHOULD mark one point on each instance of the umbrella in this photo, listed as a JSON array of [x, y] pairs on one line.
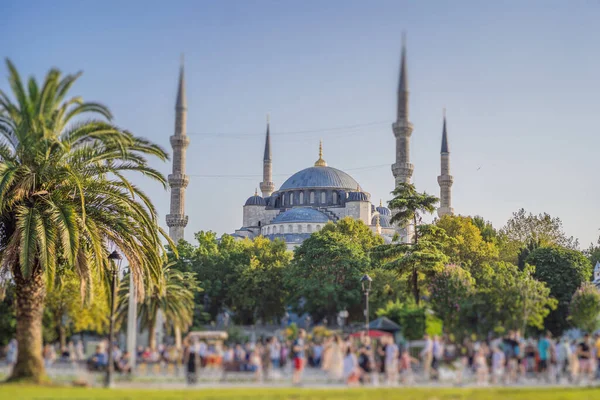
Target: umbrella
[[384, 324], [372, 334]]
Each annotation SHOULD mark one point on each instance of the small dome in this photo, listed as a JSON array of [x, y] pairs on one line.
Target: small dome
[[357, 196], [384, 211], [300, 214], [255, 200], [384, 221]]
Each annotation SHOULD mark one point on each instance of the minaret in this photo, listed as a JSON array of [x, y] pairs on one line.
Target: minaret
[[267, 186], [178, 180], [445, 180], [402, 128]]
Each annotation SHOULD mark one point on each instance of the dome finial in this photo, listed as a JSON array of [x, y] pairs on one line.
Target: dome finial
[[255, 191], [380, 203], [320, 162]]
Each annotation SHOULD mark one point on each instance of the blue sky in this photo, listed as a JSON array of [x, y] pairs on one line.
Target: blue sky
[[519, 81]]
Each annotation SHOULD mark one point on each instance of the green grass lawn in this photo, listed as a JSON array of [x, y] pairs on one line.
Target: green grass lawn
[[19, 392]]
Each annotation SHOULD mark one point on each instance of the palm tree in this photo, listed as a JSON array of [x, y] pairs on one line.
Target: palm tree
[[64, 193], [172, 293], [424, 254]]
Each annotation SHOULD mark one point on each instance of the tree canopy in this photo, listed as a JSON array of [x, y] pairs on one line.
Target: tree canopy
[[564, 271]]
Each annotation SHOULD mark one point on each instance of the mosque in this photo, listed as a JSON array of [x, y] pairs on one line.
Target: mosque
[[314, 196]]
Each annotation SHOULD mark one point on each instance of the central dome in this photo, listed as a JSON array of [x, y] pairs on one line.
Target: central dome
[[320, 177]]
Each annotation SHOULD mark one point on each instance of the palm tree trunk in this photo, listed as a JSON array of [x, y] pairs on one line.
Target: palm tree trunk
[[30, 293]]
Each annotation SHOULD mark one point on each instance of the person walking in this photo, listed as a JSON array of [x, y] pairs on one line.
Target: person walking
[[543, 349], [335, 360], [391, 361], [584, 354], [351, 368], [427, 356], [298, 355], [191, 360]]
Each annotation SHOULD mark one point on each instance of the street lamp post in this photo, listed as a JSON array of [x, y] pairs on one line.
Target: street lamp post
[[365, 282], [114, 260]]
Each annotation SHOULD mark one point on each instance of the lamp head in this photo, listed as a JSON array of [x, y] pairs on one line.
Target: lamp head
[[365, 282]]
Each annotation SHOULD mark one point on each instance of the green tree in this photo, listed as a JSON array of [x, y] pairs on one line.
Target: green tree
[[69, 312], [243, 277], [387, 286], [487, 230], [593, 252], [524, 229], [419, 257], [468, 249], [409, 206], [172, 293], [258, 290], [415, 261], [411, 318], [585, 308], [448, 289], [324, 276], [63, 192], [564, 271], [506, 299]]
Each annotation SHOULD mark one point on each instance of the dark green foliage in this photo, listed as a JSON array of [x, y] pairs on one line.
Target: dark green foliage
[[563, 271], [324, 277], [411, 318]]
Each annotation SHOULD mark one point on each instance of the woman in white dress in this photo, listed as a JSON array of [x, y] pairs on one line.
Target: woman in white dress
[[336, 360], [351, 368]]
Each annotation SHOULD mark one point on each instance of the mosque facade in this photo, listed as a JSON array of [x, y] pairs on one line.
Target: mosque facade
[[314, 196]]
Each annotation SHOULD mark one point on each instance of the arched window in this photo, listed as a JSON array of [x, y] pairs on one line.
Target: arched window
[[323, 197], [291, 198], [259, 224], [312, 197], [301, 201], [299, 228], [280, 228], [309, 228], [335, 197], [290, 229], [318, 227]]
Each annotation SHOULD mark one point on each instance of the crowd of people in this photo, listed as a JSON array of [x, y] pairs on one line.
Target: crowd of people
[[510, 359]]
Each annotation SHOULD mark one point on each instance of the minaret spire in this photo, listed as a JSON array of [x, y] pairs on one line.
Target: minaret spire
[[178, 180], [402, 128], [267, 186], [445, 180]]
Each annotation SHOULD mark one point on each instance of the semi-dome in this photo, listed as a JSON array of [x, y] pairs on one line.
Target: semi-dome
[[320, 177], [357, 196], [384, 220], [300, 214], [255, 200]]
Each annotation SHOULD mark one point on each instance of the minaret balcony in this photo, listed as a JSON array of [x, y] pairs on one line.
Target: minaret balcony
[[179, 141], [445, 180], [402, 128], [402, 169], [176, 220], [178, 180]]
